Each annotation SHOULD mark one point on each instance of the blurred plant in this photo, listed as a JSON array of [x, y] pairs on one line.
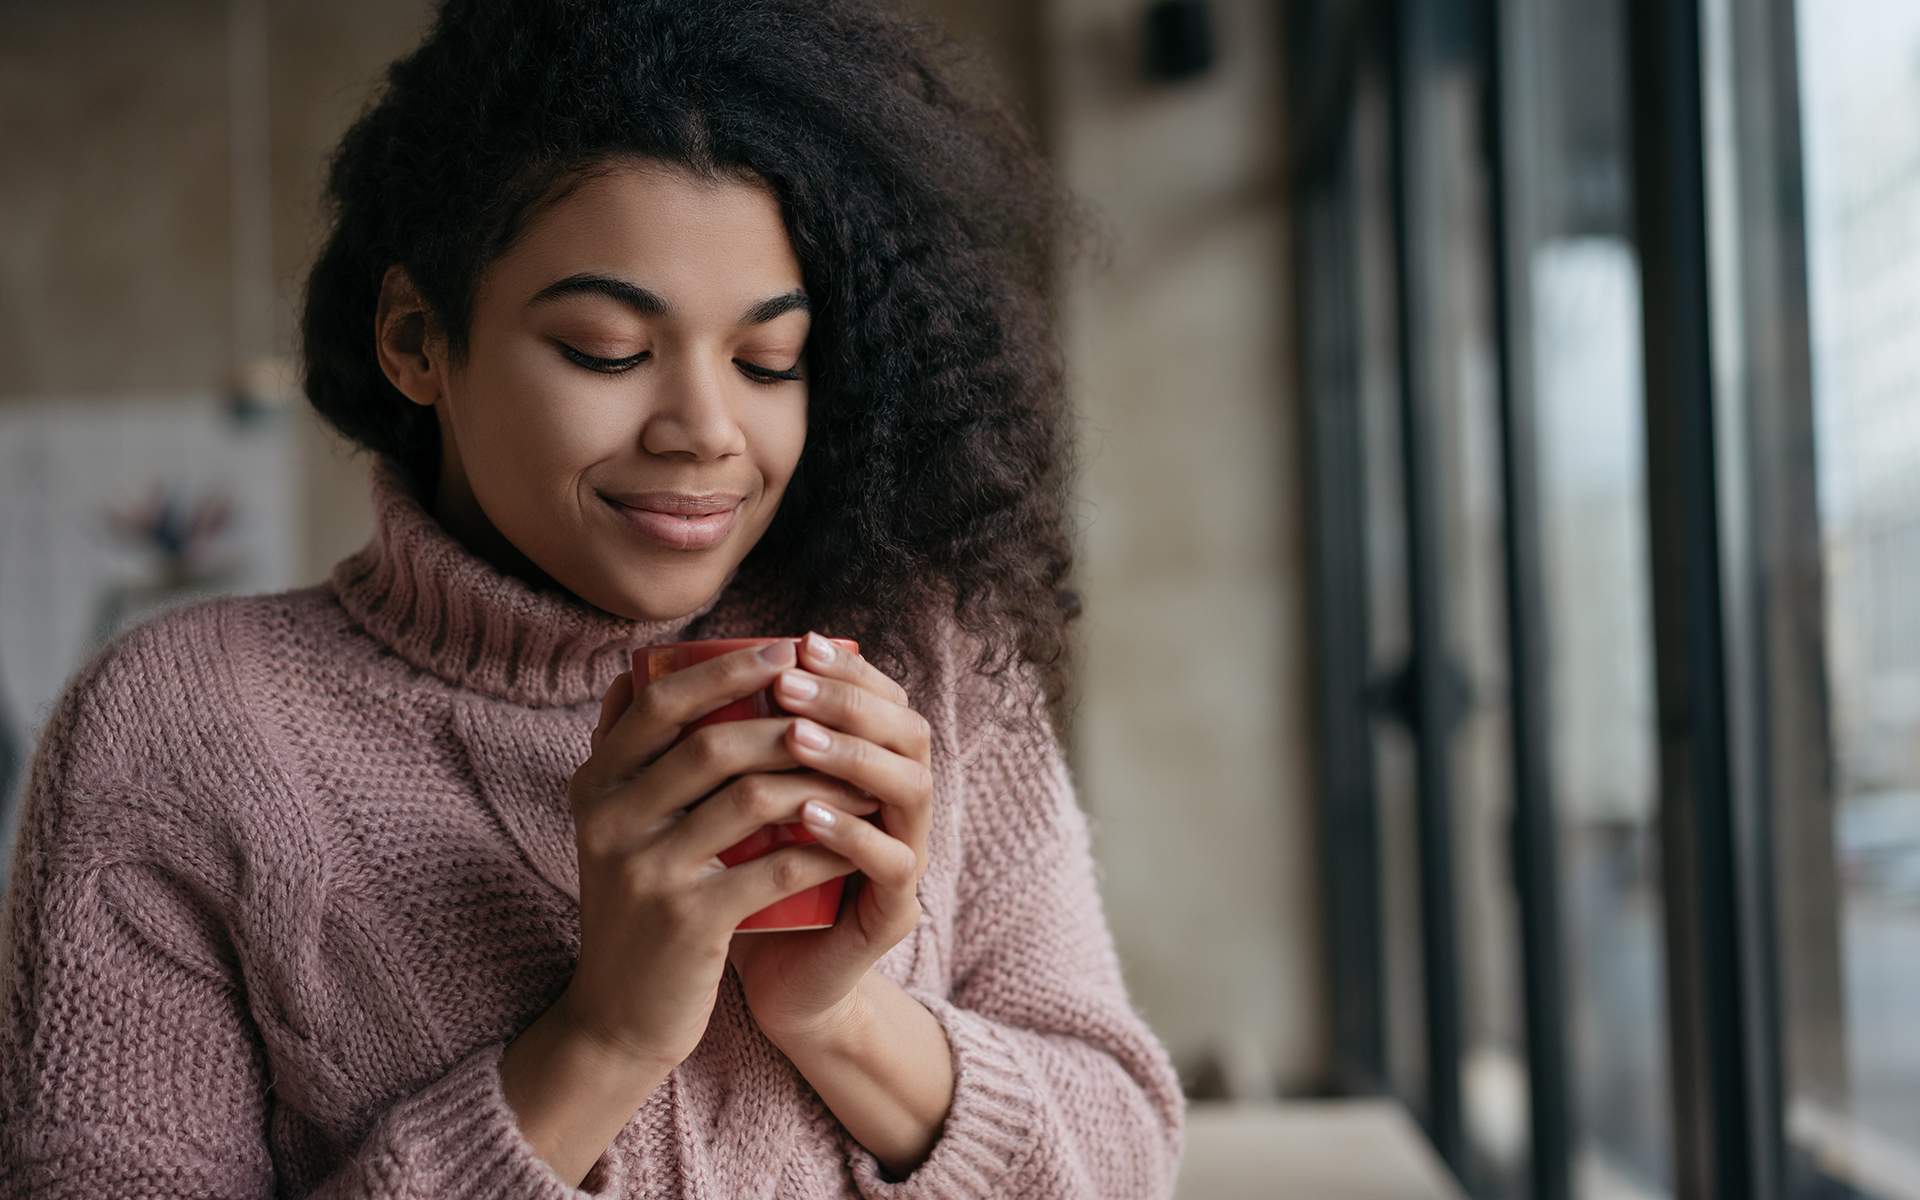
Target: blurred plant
[[184, 533]]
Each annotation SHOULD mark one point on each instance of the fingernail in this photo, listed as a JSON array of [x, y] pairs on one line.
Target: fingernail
[[816, 813], [810, 734], [779, 654], [820, 648], [799, 686]]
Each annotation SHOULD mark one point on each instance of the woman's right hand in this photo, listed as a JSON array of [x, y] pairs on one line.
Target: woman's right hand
[[657, 907]]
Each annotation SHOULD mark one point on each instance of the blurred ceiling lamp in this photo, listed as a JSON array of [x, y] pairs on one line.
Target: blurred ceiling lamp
[[1179, 40], [259, 389]]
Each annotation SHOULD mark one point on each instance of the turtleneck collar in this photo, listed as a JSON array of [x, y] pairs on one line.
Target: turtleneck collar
[[441, 607]]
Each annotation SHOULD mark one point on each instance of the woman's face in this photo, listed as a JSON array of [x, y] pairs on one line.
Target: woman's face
[[645, 334]]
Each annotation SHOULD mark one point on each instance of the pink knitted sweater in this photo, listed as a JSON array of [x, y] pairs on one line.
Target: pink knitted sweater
[[293, 868]]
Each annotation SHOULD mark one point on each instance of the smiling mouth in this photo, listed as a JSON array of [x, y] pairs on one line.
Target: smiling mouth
[[678, 531], [676, 516]]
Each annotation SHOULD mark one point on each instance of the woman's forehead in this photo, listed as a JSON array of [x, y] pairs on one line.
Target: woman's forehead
[[658, 243]]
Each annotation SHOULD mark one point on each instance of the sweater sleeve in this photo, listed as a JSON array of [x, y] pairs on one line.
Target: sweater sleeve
[[130, 1065], [1060, 1088]]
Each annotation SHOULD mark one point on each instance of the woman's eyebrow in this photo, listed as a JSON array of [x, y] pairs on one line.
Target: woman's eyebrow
[[649, 303], [776, 306]]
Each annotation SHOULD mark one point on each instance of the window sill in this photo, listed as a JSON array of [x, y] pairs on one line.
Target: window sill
[[1354, 1149]]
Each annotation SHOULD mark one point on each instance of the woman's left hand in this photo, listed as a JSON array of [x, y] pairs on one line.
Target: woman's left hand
[[805, 983]]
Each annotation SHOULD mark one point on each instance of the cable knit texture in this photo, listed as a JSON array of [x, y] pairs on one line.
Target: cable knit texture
[[293, 869]]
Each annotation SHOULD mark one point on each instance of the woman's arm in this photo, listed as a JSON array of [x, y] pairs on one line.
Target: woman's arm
[[570, 1097], [132, 1067], [1058, 1087], [886, 1073], [130, 1063]]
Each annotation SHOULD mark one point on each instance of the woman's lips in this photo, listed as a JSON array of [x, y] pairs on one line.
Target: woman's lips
[[678, 533]]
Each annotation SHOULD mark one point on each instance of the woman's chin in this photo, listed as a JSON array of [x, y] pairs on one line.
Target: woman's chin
[[654, 602]]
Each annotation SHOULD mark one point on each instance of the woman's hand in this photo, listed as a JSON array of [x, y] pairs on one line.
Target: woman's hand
[[657, 908], [804, 983]]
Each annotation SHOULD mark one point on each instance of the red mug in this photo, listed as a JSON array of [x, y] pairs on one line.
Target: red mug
[[817, 907]]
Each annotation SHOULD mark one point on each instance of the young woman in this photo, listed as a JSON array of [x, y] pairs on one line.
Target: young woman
[[400, 885]]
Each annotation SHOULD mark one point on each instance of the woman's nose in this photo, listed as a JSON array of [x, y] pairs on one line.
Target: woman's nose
[[692, 411]]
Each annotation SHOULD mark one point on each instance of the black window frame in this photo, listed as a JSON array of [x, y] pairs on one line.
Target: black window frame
[[1724, 652]]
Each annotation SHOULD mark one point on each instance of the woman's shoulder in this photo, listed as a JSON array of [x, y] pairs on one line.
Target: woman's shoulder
[[160, 703], [1006, 792], [976, 692], [149, 778], [990, 715]]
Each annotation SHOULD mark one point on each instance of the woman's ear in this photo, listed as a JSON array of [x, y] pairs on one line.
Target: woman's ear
[[404, 334]]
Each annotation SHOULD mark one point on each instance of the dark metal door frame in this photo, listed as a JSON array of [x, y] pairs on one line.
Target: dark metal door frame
[[1715, 823], [1725, 1108]]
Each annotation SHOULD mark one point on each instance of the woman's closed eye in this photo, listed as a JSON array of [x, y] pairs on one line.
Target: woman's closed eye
[[760, 374], [614, 366], [606, 366]]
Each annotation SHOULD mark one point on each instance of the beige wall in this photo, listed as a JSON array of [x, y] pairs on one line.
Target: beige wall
[[326, 61], [120, 269], [116, 202], [117, 276], [1193, 738]]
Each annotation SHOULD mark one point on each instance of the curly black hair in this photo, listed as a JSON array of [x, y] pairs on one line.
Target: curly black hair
[[940, 456]]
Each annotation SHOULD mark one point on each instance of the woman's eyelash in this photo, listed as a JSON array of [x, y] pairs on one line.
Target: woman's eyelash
[[606, 366], [763, 375], [614, 366]]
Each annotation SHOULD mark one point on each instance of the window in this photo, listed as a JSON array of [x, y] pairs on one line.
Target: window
[[1610, 347]]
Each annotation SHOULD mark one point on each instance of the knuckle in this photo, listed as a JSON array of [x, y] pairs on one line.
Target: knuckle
[[903, 869], [649, 705], [747, 670], [744, 672], [756, 798], [788, 872], [858, 751], [922, 733], [705, 748], [841, 791]]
